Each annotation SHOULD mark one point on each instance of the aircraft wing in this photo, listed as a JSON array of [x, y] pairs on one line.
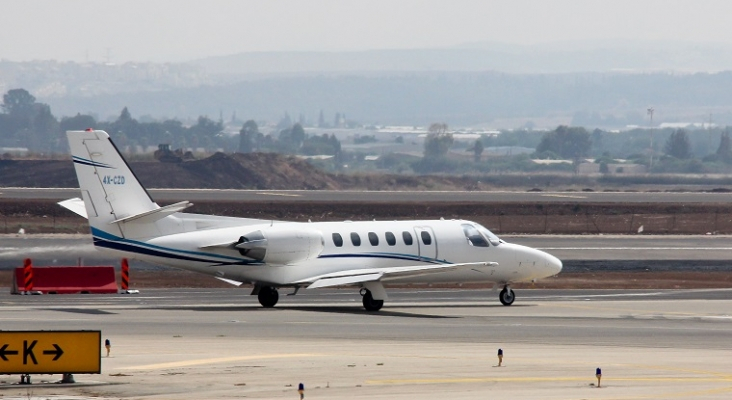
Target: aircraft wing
[[355, 276]]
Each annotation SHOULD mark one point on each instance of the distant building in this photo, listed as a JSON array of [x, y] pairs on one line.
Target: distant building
[[682, 125], [612, 169]]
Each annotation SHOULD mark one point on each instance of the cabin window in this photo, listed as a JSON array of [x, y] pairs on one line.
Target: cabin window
[[373, 239], [426, 238], [355, 239], [407, 237], [474, 237], [337, 240], [390, 238]]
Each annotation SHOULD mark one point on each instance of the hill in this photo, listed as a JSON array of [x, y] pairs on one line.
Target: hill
[[220, 171]]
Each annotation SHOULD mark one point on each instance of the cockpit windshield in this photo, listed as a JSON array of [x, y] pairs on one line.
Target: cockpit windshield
[[489, 235], [474, 237], [479, 236]]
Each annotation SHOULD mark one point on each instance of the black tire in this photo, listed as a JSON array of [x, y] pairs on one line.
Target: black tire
[[507, 296], [370, 304], [268, 296]]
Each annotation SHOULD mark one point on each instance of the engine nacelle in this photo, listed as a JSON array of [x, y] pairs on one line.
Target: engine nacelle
[[281, 246]]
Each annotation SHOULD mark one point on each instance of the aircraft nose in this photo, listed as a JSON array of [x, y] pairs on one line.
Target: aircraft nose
[[553, 264]]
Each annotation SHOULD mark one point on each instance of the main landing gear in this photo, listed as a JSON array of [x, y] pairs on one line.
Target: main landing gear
[[267, 296], [368, 301], [507, 296]]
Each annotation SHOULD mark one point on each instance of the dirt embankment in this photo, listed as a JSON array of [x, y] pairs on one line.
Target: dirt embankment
[[227, 171], [45, 216], [276, 171]]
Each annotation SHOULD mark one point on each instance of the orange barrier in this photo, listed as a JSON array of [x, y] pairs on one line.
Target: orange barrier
[[125, 284], [65, 280], [125, 279], [27, 275]]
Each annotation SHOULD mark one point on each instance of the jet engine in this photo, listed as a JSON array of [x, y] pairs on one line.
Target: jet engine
[[281, 246]]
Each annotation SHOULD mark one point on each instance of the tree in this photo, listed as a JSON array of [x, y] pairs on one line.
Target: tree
[[567, 142], [724, 151], [297, 135], [206, 131], [322, 144], [45, 129], [477, 149], [597, 135], [678, 145], [127, 125], [77, 123], [285, 122], [248, 136], [125, 115], [18, 106], [438, 141], [18, 102], [292, 139]]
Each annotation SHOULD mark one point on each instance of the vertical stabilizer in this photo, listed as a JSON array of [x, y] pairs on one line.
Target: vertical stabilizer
[[110, 189]]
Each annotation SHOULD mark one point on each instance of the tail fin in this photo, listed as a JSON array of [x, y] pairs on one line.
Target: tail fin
[[112, 193]]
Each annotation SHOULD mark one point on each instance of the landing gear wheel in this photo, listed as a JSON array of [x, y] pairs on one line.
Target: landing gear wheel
[[507, 296], [369, 303], [268, 296]]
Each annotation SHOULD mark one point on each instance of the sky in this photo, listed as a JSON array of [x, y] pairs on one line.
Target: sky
[[183, 30]]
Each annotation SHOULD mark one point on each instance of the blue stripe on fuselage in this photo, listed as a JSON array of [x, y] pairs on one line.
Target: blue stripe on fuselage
[[107, 240], [391, 256]]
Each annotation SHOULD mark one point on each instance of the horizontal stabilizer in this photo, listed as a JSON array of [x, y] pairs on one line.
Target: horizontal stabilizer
[[75, 205], [385, 274], [156, 214]]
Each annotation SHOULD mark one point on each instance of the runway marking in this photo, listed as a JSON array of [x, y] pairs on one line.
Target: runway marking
[[609, 295], [564, 196], [279, 194], [644, 312], [691, 394], [716, 377], [382, 382], [686, 370], [204, 361]]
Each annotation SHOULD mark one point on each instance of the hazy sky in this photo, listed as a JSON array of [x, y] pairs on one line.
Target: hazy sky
[[180, 30]]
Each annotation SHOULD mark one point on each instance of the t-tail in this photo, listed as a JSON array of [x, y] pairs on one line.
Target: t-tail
[[117, 205]]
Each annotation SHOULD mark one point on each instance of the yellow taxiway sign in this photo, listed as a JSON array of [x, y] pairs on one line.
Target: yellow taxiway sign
[[50, 352]]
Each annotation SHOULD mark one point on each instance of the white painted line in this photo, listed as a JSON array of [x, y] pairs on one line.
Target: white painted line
[[279, 194], [564, 196]]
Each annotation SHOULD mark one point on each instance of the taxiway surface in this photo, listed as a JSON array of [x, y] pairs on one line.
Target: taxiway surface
[[428, 344]]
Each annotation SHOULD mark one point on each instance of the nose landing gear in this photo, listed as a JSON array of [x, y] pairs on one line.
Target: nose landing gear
[[507, 296]]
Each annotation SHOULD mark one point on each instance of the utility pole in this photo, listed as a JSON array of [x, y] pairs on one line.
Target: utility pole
[[650, 164]]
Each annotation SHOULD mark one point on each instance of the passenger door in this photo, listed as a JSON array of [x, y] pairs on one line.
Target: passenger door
[[426, 241]]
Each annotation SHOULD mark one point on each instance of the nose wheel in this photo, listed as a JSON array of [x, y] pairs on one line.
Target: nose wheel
[[368, 301], [507, 296]]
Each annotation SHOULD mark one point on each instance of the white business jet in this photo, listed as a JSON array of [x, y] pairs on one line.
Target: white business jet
[[275, 254]]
